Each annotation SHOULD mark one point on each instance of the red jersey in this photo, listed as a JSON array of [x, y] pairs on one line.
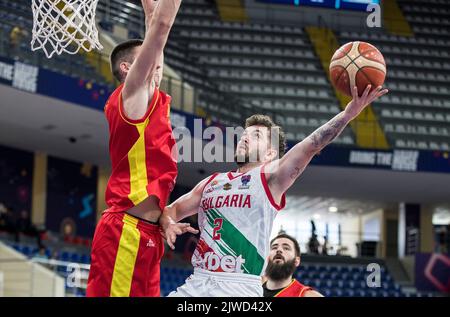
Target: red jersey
[[140, 152], [295, 289]]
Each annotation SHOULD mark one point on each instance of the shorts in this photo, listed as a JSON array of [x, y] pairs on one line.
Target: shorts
[[203, 283], [125, 257]]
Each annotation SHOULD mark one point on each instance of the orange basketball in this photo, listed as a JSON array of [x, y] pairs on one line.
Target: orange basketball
[[357, 63]]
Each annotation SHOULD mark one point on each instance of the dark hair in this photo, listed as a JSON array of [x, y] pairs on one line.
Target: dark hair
[[284, 235], [122, 53], [266, 121]]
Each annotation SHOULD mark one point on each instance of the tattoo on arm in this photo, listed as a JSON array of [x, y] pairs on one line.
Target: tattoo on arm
[[296, 172], [327, 133], [317, 141]]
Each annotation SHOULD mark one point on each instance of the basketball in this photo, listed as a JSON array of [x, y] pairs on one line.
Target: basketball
[[357, 63]]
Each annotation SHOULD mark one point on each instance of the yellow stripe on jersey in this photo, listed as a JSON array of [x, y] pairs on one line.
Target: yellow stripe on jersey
[[125, 258], [138, 167], [137, 162]]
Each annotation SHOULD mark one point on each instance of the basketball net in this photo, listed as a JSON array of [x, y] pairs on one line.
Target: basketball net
[[64, 26]]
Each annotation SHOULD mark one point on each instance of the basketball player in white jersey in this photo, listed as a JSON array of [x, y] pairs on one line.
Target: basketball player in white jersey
[[236, 209]]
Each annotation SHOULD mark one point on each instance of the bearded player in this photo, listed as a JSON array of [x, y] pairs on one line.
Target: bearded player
[[236, 209], [284, 259]]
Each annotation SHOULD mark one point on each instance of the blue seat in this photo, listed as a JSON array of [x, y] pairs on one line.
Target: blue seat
[[317, 283], [328, 283], [348, 293], [180, 279], [26, 250], [355, 277], [337, 293], [65, 256], [322, 268], [172, 270], [360, 293], [326, 292], [75, 257], [164, 270], [324, 275], [383, 293], [335, 275], [372, 293], [393, 294], [173, 286], [315, 275], [333, 269], [356, 269], [85, 259], [306, 268], [165, 278], [386, 278], [347, 284]]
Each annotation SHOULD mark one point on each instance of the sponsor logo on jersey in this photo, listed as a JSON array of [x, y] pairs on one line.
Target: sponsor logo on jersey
[[211, 187], [245, 179], [227, 186], [236, 201], [213, 262], [150, 243]]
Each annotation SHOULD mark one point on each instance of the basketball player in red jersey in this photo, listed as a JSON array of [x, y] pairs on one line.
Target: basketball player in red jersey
[[127, 245], [284, 258]]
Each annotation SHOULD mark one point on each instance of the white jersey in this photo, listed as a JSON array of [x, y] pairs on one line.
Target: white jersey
[[235, 218]]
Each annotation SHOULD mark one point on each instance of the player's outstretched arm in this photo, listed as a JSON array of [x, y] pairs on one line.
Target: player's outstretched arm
[[149, 7], [185, 206], [291, 166], [139, 87]]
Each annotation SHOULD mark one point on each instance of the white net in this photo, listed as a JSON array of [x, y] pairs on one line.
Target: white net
[[64, 26]]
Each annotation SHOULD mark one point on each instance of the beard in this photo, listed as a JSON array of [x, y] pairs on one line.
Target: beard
[[279, 272], [243, 159]]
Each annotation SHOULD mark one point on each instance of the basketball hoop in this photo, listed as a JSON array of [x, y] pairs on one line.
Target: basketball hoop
[[64, 26]]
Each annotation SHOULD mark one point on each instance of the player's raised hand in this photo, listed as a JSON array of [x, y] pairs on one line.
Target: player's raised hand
[[175, 229], [149, 7], [359, 103]]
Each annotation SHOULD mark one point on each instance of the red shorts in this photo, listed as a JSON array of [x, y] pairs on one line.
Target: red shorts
[[125, 257]]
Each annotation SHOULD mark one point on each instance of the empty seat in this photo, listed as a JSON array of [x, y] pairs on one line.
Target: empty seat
[[386, 113]]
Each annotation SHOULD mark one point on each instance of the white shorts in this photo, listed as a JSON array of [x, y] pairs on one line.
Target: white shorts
[[203, 283]]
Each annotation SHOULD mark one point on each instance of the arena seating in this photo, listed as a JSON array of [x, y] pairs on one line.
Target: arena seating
[[240, 68], [416, 112], [332, 280], [67, 252], [270, 68]]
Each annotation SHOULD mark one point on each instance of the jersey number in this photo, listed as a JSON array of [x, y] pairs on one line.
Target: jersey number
[[217, 226]]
